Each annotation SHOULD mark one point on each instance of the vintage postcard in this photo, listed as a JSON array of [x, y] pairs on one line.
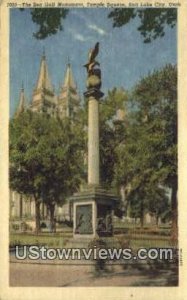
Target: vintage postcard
[[93, 149]]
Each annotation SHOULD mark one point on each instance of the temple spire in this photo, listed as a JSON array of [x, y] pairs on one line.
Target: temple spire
[[69, 80], [43, 78], [43, 99], [68, 100], [68, 61], [22, 102], [43, 52]]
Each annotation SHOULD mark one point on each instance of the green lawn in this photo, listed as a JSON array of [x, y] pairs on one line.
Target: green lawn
[[147, 243], [136, 237], [56, 240], [51, 240]]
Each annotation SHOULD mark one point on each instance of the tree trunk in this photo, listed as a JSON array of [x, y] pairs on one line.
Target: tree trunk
[[37, 215], [43, 214], [142, 214], [142, 221], [52, 219], [70, 211], [21, 206], [174, 208], [157, 219]]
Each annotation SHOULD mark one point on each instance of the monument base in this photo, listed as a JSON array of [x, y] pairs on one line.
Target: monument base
[[93, 209]]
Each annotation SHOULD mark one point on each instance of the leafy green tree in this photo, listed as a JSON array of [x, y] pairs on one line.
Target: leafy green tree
[[148, 198], [148, 158], [49, 20], [153, 21], [45, 159], [137, 204], [65, 169], [158, 203], [111, 131]]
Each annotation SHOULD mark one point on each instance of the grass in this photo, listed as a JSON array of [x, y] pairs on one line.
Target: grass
[[135, 243], [148, 237], [122, 224], [54, 240]]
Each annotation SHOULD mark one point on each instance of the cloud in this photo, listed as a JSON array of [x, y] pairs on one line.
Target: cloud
[[89, 25], [80, 37], [98, 29], [77, 36]]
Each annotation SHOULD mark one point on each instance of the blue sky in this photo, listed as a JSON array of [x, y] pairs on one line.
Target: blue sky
[[123, 56]]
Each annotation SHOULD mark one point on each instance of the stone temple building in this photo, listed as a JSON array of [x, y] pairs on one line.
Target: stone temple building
[[45, 100]]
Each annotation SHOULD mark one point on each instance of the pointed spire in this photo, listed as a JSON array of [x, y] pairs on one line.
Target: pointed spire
[[68, 99], [69, 80], [43, 78], [22, 101], [68, 61], [43, 52]]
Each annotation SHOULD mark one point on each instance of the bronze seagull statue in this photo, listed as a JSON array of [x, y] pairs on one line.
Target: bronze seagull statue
[[91, 58]]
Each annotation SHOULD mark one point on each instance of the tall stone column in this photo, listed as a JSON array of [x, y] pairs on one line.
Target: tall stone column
[[93, 141], [93, 206], [93, 95]]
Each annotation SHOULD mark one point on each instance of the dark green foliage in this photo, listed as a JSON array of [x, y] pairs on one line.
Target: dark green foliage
[[46, 157], [152, 20], [138, 151], [49, 20], [111, 132], [147, 160], [158, 202]]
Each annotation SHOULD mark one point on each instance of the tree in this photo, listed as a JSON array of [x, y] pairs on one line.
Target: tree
[[45, 159], [111, 131], [65, 170], [152, 20], [49, 20], [148, 158], [152, 199], [158, 203]]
